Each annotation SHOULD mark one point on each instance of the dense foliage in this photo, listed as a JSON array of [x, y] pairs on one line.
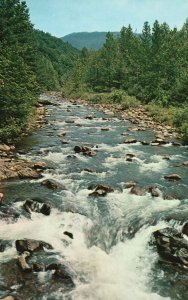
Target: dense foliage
[[30, 62], [152, 66]]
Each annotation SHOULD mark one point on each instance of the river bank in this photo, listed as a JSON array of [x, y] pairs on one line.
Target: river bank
[[11, 165]]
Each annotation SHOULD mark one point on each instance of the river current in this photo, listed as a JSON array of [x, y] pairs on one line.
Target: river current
[[110, 256]]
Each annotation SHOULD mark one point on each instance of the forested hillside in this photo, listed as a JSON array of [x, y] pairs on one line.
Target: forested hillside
[[31, 61], [90, 40], [153, 67]]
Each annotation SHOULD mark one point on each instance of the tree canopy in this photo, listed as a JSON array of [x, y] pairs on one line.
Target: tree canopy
[[31, 61]]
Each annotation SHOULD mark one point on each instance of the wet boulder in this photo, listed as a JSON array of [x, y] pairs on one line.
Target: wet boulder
[[159, 141], [46, 209], [53, 185], [62, 133], [89, 117], [79, 149], [89, 170], [61, 273], [105, 129], [69, 121], [28, 173], [144, 143], [71, 156], [130, 141], [85, 150], [166, 157], [91, 153], [153, 190], [100, 190], [22, 263], [38, 267], [171, 246], [130, 157], [176, 144], [185, 229], [34, 206], [125, 133], [173, 177], [69, 234], [137, 191], [105, 187], [98, 193], [31, 246], [40, 165]]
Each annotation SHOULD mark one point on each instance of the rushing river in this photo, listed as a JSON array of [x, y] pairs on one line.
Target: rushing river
[[110, 256]]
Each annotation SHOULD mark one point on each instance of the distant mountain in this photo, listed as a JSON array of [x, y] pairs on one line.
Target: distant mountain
[[90, 40]]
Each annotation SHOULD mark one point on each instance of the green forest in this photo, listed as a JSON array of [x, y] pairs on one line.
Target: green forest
[[31, 62], [150, 68]]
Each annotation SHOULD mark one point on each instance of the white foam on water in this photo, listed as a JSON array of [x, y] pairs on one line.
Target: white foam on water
[[124, 273], [121, 148], [56, 156], [112, 161], [156, 165]]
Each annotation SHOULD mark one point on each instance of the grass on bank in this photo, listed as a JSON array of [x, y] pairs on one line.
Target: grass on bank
[[171, 115]]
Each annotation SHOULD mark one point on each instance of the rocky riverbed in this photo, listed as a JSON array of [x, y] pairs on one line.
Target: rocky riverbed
[[94, 207]]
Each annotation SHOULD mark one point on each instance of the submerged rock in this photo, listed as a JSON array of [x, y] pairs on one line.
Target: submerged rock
[[53, 185], [173, 177]]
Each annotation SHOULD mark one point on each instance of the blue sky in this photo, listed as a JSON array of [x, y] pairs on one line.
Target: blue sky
[[61, 17]]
